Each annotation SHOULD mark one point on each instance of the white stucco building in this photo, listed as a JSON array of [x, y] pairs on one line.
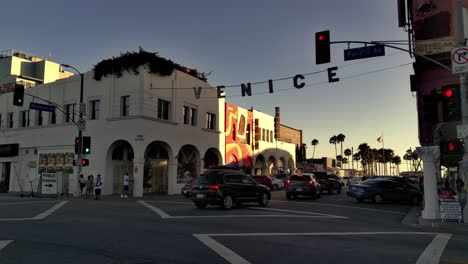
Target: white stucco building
[[152, 127]]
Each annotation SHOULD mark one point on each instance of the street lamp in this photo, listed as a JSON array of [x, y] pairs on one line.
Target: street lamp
[[80, 132]]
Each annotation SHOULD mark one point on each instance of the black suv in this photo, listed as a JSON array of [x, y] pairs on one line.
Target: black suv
[[228, 188], [328, 181]]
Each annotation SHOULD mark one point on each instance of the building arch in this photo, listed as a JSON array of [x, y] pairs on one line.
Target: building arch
[[272, 166], [188, 159], [260, 165], [156, 168], [212, 157], [119, 160]]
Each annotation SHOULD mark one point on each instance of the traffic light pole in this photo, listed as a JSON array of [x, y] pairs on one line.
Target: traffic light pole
[[464, 99]]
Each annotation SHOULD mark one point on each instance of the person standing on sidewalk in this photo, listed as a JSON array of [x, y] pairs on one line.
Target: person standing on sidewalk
[[89, 186], [98, 186], [126, 184], [82, 182]]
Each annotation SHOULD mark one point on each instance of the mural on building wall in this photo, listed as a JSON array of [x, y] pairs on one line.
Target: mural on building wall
[[238, 129], [55, 162]]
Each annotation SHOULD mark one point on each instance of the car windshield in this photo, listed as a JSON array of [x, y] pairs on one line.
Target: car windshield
[[299, 178]]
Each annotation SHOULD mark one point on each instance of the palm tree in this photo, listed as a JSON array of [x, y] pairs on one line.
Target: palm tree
[[364, 151], [397, 161], [333, 140], [344, 161], [340, 139], [314, 143], [339, 160], [357, 158], [347, 153]]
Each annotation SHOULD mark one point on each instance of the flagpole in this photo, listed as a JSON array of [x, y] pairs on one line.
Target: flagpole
[[383, 155]]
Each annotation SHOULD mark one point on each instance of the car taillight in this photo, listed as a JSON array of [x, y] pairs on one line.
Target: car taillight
[[288, 181], [213, 187], [362, 188], [194, 186], [310, 182]]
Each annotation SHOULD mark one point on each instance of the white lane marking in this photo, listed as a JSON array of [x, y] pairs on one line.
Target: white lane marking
[[234, 258], [49, 211], [158, 211], [344, 206], [17, 219], [17, 203], [250, 216], [299, 212], [322, 234], [4, 243], [168, 202], [432, 253], [221, 250]]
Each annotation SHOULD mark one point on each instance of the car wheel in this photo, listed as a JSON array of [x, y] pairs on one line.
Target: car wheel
[[378, 198], [228, 202], [263, 200], [275, 187], [200, 205], [338, 190], [288, 196]]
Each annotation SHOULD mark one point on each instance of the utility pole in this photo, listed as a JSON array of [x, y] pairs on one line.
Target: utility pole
[[463, 95]]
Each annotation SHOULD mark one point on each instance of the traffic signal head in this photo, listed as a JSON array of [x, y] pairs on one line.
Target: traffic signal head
[[451, 103], [322, 47], [77, 145], [455, 146], [84, 162], [18, 95], [86, 145]]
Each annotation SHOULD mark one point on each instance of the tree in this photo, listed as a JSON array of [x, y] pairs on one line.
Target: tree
[[357, 158], [340, 139], [347, 153], [397, 161], [364, 153], [314, 143], [339, 158], [333, 140], [344, 160]]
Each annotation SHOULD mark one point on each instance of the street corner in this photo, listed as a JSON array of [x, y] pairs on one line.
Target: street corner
[[24, 210], [188, 210], [412, 247]]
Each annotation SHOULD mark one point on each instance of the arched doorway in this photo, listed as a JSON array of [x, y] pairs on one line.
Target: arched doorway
[[260, 165], [188, 159], [281, 165], [212, 157], [271, 166], [120, 161], [290, 166], [155, 176]]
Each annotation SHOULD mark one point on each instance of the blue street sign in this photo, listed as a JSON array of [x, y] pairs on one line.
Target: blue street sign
[[42, 107], [364, 52]]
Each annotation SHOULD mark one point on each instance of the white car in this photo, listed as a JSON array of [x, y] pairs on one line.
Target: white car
[[277, 184]]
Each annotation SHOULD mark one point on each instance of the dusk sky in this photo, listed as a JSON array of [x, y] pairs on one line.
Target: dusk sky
[[245, 41]]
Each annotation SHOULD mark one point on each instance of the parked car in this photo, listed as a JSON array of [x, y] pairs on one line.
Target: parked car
[[282, 176], [302, 184], [265, 180], [227, 188], [403, 180], [277, 184], [187, 189], [328, 181], [380, 190]]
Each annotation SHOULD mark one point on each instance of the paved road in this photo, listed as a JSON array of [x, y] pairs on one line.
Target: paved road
[[169, 229]]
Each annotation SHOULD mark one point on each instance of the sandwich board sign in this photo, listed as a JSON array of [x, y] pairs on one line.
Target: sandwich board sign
[[49, 183]]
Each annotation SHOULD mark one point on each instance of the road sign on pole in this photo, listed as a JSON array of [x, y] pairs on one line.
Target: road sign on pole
[[364, 52], [459, 60], [42, 107], [81, 124]]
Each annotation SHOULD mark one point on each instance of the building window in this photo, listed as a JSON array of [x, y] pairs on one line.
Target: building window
[[193, 116], [186, 115], [124, 105], [24, 118], [263, 134], [39, 119], [1, 123], [271, 136], [69, 113], [95, 109], [10, 120], [163, 109], [248, 134], [210, 121], [53, 118]]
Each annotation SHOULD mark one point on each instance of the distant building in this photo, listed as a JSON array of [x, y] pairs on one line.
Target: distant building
[[321, 164]]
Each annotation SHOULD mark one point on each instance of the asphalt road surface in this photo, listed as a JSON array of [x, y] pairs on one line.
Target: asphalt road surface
[[170, 229]]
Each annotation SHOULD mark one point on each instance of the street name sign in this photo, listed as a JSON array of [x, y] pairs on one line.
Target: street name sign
[[42, 107], [459, 60], [49, 183], [364, 52]]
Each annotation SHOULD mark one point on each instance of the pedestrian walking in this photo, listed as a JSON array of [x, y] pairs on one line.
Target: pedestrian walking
[[460, 185], [126, 184], [90, 186], [98, 186], [82, 182]]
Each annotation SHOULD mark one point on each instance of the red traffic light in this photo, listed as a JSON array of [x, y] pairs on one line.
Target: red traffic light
[[77, 140], [321, 37], [451, 146], [84, 162], [448, 93]]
